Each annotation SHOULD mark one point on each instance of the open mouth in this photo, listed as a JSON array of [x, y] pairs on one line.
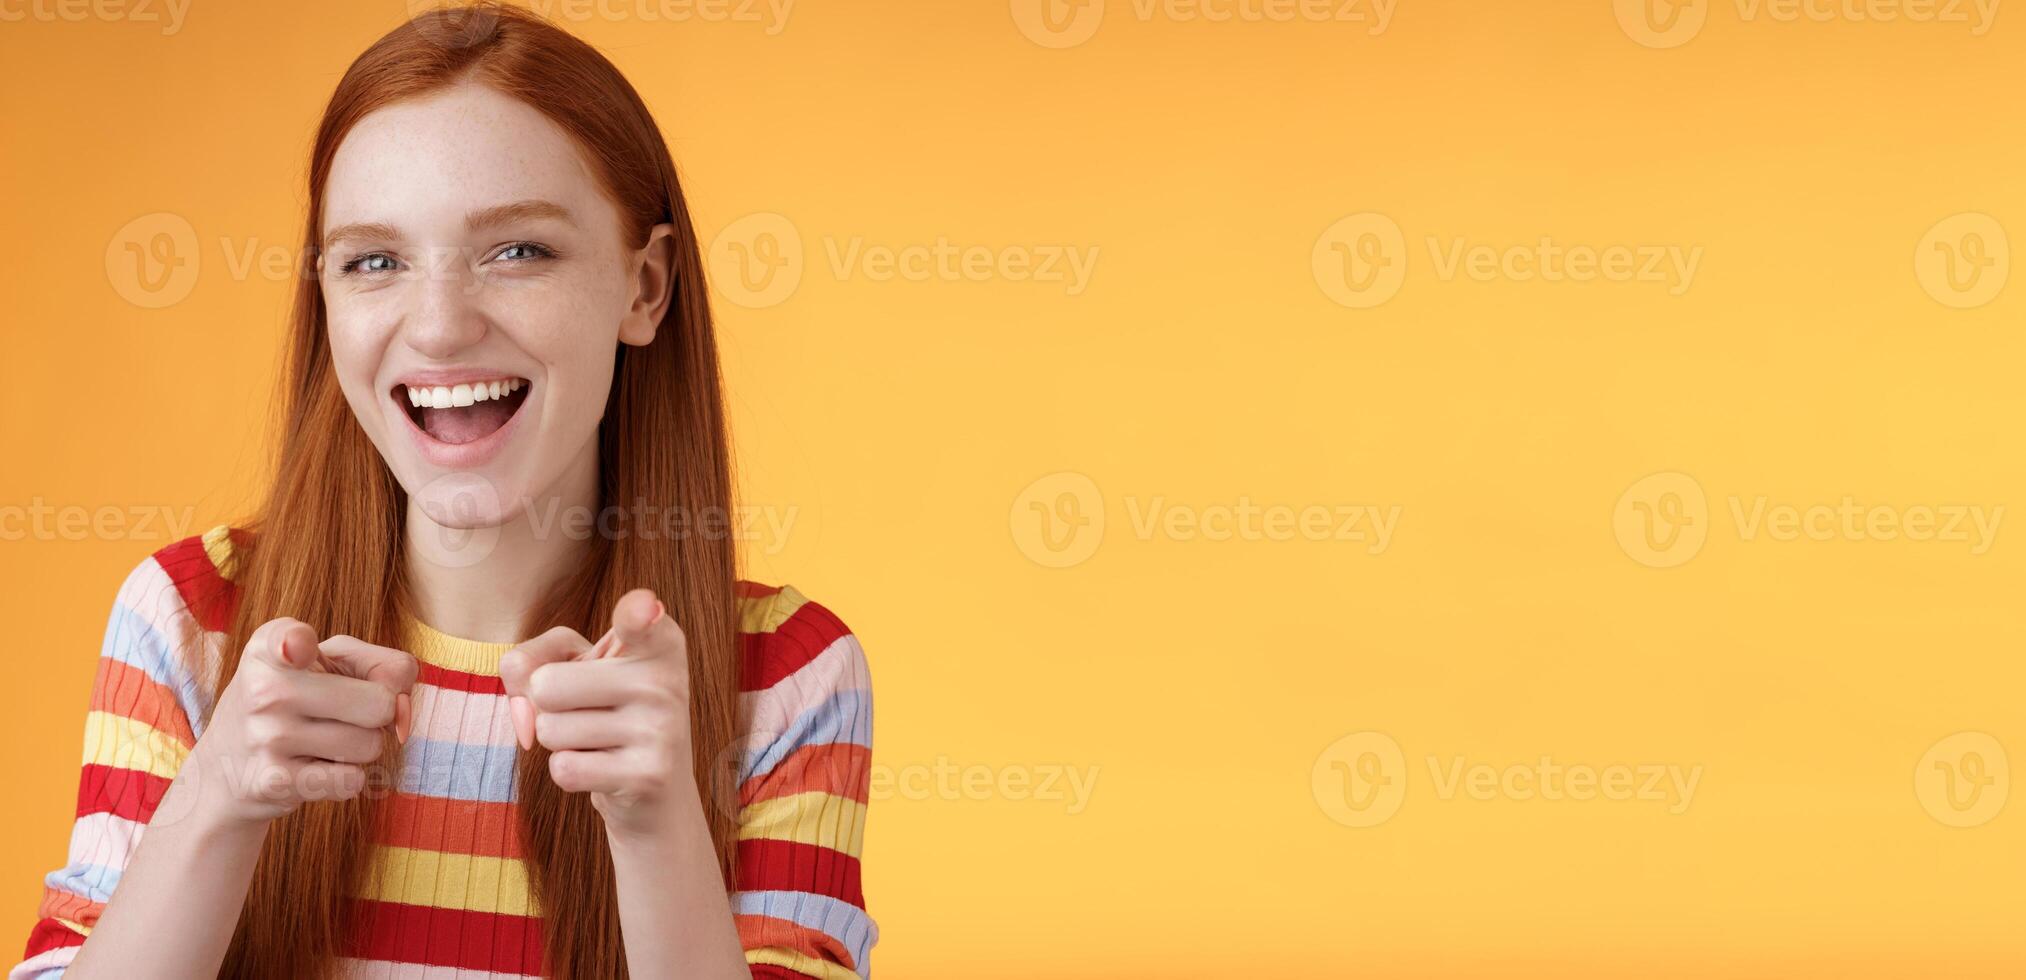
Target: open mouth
[[462, 413]]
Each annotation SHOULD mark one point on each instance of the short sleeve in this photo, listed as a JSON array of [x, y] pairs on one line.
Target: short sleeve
[[803, 788], [149, 699]]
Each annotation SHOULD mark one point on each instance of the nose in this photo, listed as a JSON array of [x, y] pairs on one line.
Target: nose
[[445, 317]]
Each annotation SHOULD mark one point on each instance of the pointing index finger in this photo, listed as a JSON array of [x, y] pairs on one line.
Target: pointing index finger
[[641, 626]]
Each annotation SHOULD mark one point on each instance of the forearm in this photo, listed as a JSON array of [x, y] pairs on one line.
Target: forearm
[[179, 897], [674, 913]]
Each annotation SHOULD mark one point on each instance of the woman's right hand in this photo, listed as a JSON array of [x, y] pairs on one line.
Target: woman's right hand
[[286, 730]]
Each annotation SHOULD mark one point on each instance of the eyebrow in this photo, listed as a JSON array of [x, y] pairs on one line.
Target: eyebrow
[[492, 217]]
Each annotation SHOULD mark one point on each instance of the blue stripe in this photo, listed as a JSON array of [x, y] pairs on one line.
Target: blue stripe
[[459, 771], [843, 921], [844, 717], [93, 882], [133, 640]]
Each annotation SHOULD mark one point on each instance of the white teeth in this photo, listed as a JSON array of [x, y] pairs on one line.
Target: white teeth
[[459, 396]]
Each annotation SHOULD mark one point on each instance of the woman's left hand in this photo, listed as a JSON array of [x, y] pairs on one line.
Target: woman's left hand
[[617, 726]]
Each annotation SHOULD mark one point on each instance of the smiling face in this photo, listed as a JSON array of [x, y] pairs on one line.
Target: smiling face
[[477, 282]]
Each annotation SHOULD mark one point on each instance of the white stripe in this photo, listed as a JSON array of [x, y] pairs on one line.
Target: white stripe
[[840, 667], [357, 969]]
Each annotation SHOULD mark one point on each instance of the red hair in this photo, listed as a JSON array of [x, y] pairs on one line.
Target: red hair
[[328, 542]]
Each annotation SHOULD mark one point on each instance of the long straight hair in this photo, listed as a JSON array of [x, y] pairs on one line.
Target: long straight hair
[[327, 547]]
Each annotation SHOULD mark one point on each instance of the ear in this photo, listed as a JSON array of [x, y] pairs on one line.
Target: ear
[[654, 286]]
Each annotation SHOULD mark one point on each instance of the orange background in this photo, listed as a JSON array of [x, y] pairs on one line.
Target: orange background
[[1214, 686]]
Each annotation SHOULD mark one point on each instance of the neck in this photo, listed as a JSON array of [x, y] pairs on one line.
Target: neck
[[481, 583]]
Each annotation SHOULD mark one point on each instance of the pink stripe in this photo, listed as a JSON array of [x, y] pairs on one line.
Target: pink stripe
[[445, 715]]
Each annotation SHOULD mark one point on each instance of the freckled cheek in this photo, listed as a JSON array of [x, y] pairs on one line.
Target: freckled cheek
[[359, 344]]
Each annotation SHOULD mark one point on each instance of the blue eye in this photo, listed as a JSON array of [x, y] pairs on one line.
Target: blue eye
[[524, 251], [369, 262]]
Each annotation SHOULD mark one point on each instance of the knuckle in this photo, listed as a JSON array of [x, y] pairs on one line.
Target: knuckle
[[564, 770], [383, 707], [263, 732], [545, 684]]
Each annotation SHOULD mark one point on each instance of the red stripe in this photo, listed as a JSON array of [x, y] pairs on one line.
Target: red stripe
[[403, 933], [768, 971], [50, 934], [838, 768], [789, 866], [125, 690], [209, 597], [457, 680], [453, 826], [120, 792], [771, 656]]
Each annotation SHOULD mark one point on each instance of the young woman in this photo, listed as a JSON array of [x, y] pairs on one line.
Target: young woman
[[477, 693]]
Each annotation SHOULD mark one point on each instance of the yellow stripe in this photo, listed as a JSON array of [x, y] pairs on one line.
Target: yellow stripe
[[765, 614], [452, 881], [799, 962], [126, 743], [433, 646], [218, 548], [82, 930], [822, 819]]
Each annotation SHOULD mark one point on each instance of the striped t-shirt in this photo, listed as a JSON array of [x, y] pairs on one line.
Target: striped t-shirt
[[448, 893]]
